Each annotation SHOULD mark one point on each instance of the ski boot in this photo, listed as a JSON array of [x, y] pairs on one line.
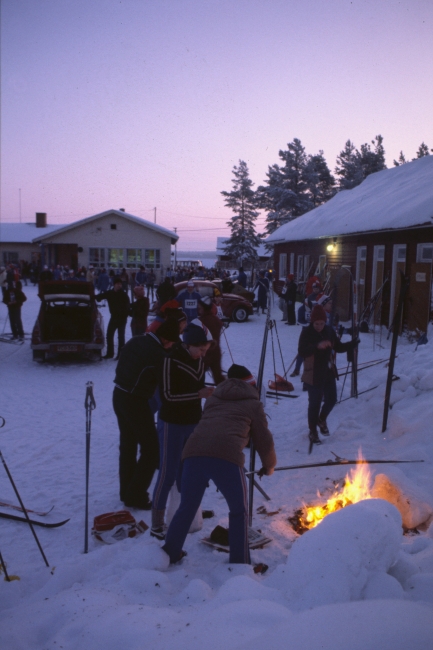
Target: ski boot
[[323, 427]]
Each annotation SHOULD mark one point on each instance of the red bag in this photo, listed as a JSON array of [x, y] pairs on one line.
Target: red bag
[[112, 527]]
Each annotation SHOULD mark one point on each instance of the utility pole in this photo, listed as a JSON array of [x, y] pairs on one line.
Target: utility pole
[[175, 251], [154, 210], [19, 191]]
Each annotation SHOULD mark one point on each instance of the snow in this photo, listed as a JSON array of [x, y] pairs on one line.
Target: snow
[[354, 581], [400, 197]]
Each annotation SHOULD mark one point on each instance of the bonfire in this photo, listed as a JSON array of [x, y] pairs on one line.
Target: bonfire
[[356, 487]]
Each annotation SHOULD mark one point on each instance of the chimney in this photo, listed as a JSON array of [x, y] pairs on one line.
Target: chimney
[[121, 209], [41, 219]]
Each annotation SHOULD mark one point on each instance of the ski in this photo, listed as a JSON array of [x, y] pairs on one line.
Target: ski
[[272, 394], [341, 461], [35, 522], [12, 506]]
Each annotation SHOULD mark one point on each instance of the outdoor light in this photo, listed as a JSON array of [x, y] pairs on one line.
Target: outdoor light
[[330, 247]]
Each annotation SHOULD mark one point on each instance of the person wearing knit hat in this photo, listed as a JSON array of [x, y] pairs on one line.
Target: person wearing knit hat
[[189, 299], [233, 415], [318, 344], [118, 305], [136, 379], [241, 372], [181, 389]]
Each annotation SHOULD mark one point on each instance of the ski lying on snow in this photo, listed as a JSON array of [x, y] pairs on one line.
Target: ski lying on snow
[[12, 506], [35, 522]]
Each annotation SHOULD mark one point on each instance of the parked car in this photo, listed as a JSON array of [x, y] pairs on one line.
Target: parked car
[[68, 322], [234, 307]]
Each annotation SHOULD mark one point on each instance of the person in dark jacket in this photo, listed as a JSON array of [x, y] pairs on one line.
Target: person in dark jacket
[[232, 415], [317, 345], [181, 390], [118, 304], [165, 291], [289, 295], [242, 277], [139, 310], [14, 297], [136, 379]]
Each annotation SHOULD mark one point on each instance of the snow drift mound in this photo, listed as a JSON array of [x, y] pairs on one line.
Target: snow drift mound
[[346, 557], [378, 625]]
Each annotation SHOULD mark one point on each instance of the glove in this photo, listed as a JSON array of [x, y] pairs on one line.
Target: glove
[[263, 471]]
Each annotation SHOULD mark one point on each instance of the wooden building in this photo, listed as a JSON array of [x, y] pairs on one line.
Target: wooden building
[[112, 239], [376, 229]]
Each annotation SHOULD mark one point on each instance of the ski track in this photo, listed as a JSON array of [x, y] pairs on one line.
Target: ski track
[[43, 443]]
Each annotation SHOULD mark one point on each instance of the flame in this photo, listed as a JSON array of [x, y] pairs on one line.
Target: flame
[[356, 488]]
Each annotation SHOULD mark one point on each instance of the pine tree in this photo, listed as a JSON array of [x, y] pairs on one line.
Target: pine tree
[[423, 150], [285, 195], [349, 167], [243, 242], [401, 160], [354, 166], [320, 181]]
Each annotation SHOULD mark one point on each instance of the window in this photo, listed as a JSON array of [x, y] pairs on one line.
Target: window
[[306, 266], [10, 257], [152, 258], [97, 257], [292, 263], [283, 266], [115, 258], [113, 226], [300, 275], [133, 258], [424, 253]]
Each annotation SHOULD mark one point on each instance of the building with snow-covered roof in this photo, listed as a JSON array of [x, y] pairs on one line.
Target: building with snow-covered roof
[[379, 228], [113, 239]]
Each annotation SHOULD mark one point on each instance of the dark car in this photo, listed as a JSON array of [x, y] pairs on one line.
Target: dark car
[[68, 321], [234, 307]]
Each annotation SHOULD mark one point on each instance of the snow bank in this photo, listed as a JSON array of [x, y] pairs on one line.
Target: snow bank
[[408, 498], [378, 625], [338, 561]]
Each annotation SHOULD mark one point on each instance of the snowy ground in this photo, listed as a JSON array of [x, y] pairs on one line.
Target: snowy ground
[[354, 581]]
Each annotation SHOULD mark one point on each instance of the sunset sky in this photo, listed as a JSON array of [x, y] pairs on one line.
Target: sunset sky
[[139, 104]]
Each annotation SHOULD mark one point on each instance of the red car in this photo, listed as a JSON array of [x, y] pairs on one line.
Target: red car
[[68, 322], [234, 307]]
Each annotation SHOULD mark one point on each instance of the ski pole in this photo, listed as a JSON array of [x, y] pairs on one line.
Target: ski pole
[[3, 422], [4, 568], [228, 347], [89, 405]]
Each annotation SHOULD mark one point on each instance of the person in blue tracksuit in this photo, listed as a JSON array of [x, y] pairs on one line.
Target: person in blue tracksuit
[[232, 416], [189, 299], [181, 390]]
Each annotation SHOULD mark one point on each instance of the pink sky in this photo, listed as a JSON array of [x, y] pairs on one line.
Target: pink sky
[[141, 103]]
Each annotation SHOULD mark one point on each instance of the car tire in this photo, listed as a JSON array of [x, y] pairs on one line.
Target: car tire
[[38, 355], [240, 315]]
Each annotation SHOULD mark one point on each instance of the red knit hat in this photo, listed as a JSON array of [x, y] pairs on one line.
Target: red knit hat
[[317, 313]]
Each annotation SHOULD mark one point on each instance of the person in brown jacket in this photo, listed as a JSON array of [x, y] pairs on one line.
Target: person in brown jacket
[[232, 415]]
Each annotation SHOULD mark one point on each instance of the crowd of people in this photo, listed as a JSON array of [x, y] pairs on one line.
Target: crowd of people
[[161, 374]]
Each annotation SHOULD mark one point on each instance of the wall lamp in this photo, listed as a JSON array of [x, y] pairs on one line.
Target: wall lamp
[[330, 247]]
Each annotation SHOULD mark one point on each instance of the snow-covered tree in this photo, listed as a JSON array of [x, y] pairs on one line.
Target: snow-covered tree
[[243, 242], [286, 193], [320, 181], [349, 168], [354, 166]]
